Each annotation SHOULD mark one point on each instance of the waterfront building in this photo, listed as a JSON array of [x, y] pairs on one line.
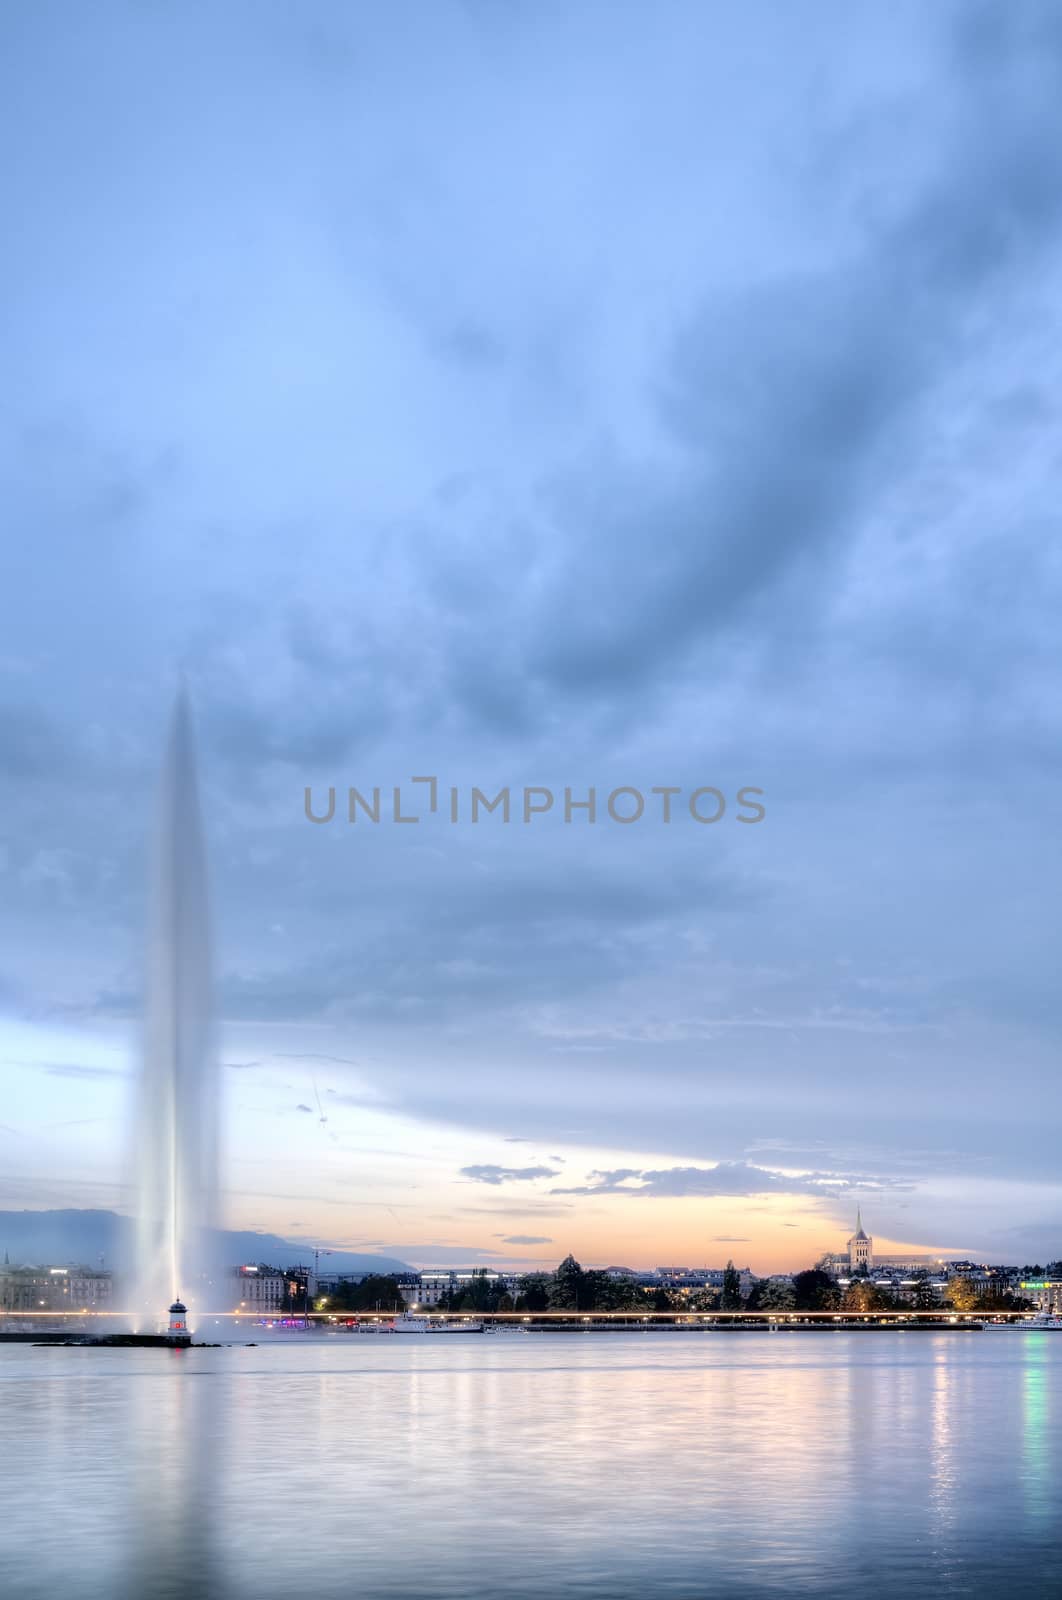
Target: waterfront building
[[43, 1288], [690, 1279], [259, 1288], [1045, 1293], [903, 1286], [990, 1281], [427, 1288]]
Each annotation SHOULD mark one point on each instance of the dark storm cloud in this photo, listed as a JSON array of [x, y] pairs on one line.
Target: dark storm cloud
[[796, 397], [510, 936]]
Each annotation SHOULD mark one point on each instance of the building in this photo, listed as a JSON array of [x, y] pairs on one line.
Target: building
[[425, 1289], [926, 1289], [935, 1265], [55, 1289], [858, 1257], [860, 1248], [690, 1279], [990, 1282], [835, 1262], [260, 1289], [1045, 1293]]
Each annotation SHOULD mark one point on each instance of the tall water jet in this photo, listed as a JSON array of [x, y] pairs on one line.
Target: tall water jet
[[176, 1120]]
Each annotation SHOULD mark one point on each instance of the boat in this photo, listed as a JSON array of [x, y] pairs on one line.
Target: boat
[[409, 1323], [1043, 1322], [503, 1328]]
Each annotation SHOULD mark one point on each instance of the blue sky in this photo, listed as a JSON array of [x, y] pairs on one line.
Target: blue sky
[[544, 395]]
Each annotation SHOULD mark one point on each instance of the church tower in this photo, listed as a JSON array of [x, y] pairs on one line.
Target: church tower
[[860, 1248]]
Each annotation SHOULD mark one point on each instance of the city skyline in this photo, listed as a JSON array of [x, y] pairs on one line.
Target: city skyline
[[93, 1244], [516, 1211]]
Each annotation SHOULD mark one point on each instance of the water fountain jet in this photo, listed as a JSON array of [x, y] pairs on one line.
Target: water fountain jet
[[176, 1120]]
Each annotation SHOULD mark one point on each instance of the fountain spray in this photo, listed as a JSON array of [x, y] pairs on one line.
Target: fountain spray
[[176, 1124]]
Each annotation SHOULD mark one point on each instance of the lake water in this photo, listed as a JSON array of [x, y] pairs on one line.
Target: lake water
[[594, 1465]]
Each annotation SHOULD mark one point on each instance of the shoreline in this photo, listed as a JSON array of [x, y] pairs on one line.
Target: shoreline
[[289, 1337]]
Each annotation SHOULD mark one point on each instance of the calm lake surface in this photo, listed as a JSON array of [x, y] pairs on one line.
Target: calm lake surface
[[598, 1465]]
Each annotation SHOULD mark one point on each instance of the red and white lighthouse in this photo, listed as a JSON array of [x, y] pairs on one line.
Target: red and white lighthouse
[[178, 1328]]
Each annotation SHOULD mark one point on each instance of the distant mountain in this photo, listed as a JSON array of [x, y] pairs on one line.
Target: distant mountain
[[81, 1238]]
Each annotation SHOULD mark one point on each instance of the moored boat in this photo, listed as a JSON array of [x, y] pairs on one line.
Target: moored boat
[[409, 1323], [1042, 1322]]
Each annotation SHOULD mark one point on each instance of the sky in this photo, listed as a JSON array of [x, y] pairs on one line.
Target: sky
[[544, 396]]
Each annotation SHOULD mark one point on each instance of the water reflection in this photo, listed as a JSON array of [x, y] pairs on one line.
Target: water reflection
[[1036, 1461], [175, 1442], [942, 1449], [604, 1467]]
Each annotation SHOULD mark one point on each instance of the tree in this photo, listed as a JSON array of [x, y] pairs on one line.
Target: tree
[[815, 1290], [925, 1296], [962, 1293], [534, 1292], [864, 1296], [706, 1300], [754, 1298], [374, 1293], [600, 1292], [776, 1296], [731, 1296], [1003, 1300], [483, 1292], [567, 1286]]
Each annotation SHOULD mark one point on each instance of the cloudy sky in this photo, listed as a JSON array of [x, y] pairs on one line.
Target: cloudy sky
[[556, 395]]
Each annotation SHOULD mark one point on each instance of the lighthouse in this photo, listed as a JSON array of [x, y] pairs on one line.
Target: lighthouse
[[177, 1332]]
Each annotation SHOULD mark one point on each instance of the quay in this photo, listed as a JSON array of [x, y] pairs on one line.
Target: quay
[[664, 1321]]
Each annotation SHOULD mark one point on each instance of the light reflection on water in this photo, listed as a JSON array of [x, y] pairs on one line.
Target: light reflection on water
[[1036, 1392], [553, 1465]]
